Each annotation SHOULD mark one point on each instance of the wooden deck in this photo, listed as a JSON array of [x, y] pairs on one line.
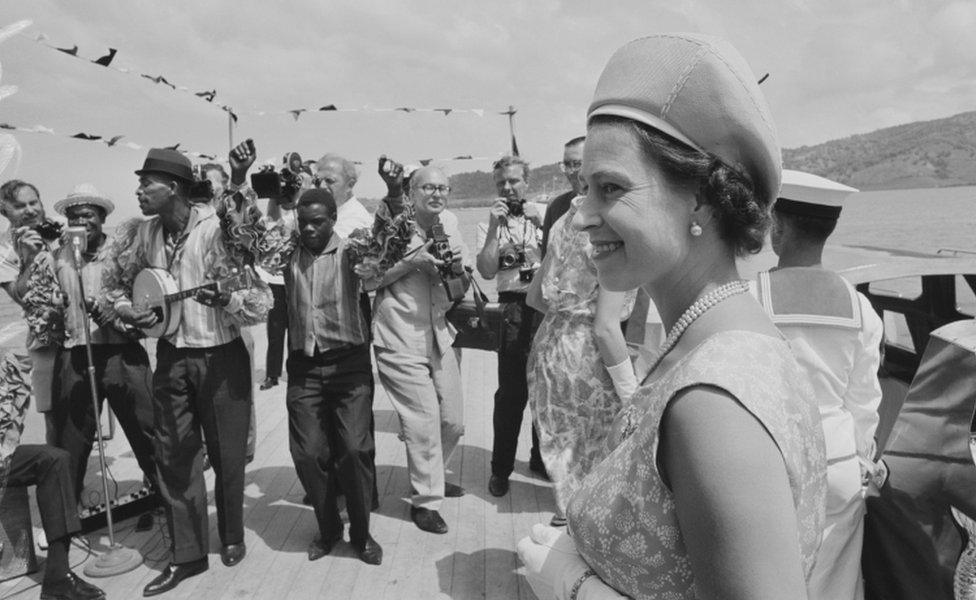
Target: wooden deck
[[475, 559]]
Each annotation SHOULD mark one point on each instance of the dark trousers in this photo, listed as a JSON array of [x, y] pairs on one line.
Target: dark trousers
[[330, 413], [208, 388], [518, 327], [123, 376], [48, 468], [277, 328]]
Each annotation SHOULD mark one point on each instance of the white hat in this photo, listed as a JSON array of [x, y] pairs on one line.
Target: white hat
[[809, 195], [84, 193]]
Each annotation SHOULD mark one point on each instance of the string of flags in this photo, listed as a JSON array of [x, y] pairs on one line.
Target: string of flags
[[116, 141], [210, 95]]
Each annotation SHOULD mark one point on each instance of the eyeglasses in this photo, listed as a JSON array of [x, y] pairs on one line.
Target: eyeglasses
[[570, 166], [430, 188], [322, 181]]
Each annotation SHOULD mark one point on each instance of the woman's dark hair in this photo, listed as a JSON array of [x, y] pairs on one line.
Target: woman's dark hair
[[743, 217]]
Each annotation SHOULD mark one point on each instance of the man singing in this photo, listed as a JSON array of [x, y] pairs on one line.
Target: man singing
[[199, 382]]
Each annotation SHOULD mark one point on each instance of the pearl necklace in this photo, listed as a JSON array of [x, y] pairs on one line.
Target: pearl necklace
[[697, 309], [700, 307]]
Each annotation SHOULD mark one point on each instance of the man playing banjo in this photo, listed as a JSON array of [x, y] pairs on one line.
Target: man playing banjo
[[198, 380]]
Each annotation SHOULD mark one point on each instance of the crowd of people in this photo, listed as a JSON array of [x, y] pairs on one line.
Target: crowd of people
[[731, 462]]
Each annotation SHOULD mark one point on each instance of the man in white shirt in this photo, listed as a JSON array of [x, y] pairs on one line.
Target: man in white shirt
[[511, 249], [836, 337], [339, 176]]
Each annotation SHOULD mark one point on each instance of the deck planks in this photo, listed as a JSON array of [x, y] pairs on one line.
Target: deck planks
[[475, 559]]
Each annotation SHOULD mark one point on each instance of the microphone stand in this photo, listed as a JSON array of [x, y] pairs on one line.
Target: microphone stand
[[117, 559]]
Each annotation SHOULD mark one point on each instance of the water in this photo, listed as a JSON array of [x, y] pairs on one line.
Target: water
[[917, 220]]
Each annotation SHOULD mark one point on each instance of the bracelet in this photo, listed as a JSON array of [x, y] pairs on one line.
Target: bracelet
[[579, 583]]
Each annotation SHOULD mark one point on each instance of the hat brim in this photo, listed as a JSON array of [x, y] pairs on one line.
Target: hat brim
[[62, 206], [641, 116], [183, 178]]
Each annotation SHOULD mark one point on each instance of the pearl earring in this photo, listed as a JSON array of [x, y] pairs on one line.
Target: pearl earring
[[696, 229]]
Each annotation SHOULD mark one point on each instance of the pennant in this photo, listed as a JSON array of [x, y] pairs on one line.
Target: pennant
[[173, 147], [13, 29], [762, 79], [87, 136], [228, 110], [114, 140], [71, 51], [208, 96], [446, 111], [159, 79], [462, 157], [107, 59], [426, 161], [405, 109], [6, 126], [297, 112], [329, 107]]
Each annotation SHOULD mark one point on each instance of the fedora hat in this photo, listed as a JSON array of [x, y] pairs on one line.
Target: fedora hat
[[84, 193], [167, 162]]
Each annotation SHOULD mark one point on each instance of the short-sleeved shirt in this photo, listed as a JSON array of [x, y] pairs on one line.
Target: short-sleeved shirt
[[518, 233]]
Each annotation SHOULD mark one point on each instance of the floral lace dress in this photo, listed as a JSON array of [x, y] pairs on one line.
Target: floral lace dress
[[623, 517], [572, 397]]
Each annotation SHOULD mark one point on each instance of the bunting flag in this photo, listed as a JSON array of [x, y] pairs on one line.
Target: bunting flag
[[112, 141], [296, 113]]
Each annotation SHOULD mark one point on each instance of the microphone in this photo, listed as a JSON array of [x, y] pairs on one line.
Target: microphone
[[78, 239]]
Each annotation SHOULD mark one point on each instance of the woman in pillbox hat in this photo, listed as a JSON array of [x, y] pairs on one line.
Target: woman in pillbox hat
[[715, 484]]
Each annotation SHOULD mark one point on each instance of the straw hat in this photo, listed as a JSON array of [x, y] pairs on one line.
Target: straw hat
[[84, 193]]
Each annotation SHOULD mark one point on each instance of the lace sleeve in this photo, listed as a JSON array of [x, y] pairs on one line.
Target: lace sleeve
[[373, 251]]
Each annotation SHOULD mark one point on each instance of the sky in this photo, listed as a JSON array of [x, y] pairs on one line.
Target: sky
[[836, 68]]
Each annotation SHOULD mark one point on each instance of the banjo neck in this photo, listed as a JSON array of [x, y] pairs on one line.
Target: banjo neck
[[184, 294]]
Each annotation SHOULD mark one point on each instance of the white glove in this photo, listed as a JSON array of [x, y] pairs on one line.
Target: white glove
[[624, 380], [553, 567]]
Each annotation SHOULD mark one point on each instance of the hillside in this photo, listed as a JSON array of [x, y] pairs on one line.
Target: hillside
[[923, 154]]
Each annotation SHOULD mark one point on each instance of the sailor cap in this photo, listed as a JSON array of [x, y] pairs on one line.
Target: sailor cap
[[809, 195]]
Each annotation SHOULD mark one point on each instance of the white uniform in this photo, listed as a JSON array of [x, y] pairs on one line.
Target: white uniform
[[836, 338]]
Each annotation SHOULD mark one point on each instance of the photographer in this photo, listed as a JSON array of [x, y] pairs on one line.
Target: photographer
[[27, 275], [412, 340], [510, 249]]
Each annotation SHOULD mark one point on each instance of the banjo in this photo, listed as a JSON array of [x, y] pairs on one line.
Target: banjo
[[157, 290]]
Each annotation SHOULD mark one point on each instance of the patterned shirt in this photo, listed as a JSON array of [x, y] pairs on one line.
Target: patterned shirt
[[91, 275], [196, 257]]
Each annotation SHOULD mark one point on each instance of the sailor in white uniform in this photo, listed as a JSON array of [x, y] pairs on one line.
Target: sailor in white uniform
[[836, 337]]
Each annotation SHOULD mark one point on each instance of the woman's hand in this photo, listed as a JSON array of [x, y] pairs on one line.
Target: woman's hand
[[552, 564]]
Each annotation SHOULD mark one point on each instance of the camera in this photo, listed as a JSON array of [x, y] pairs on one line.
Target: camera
[[510, 258], [201, 189], [526, 274], [516, 208], [269, 183], [452, 272], [48, 230]]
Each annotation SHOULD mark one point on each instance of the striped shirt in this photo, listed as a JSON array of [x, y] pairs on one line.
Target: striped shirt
[[196, 257], [323, 300]]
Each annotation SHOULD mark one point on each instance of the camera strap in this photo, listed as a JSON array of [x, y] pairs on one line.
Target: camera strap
[[480, 299]]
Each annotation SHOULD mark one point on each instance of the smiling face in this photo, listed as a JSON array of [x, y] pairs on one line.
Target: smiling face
[[25, 209], [88, 216], [637, 219]]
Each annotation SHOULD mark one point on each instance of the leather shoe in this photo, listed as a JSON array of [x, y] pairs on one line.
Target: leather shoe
[[370, 553], [71, 587], [428, 520], [269, 382], [231, 554], [173, 574], [322, 547], [498, 485]]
